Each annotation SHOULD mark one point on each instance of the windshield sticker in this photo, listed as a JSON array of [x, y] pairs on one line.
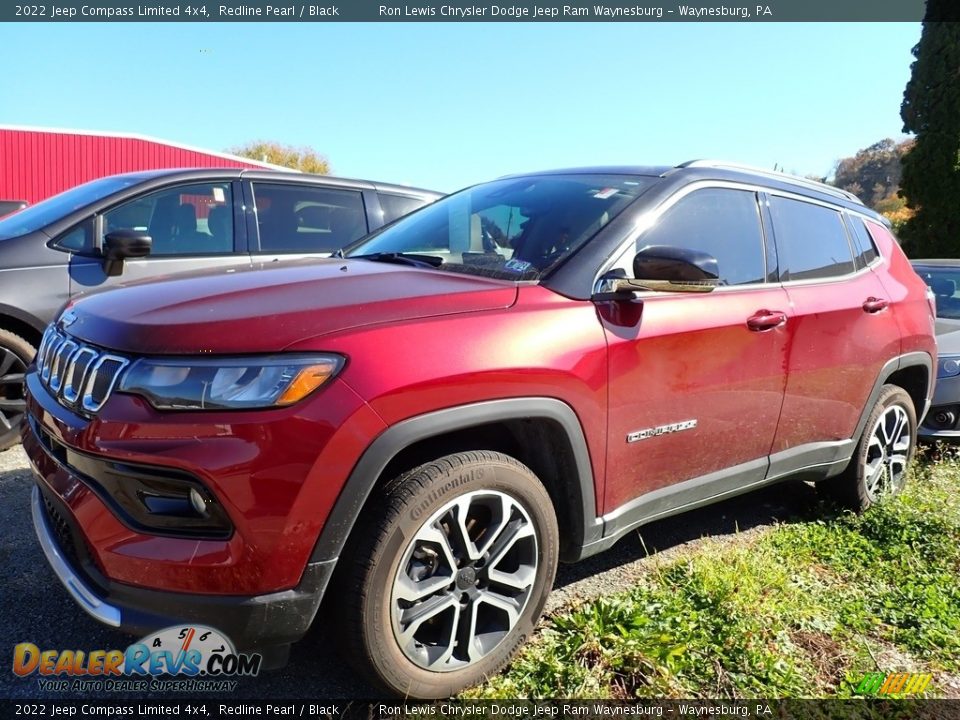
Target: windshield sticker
[[517, 265], [605, 193]]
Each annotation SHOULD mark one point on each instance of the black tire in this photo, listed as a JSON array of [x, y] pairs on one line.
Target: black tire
[[878, 468], [391, 550], [15, 354]]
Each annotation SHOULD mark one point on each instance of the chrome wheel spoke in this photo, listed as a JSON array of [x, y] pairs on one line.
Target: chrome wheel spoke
[[411, 590], [521, 579], [887, 453], [413, 618], [514, 531], [875, 478], [467, 633], [509, 606], [7, 359]]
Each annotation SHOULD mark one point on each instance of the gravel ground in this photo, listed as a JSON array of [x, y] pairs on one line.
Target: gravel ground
[[35, 608]]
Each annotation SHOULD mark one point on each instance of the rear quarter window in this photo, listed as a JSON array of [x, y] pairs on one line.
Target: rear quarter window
[[396, 206], [811, 240]]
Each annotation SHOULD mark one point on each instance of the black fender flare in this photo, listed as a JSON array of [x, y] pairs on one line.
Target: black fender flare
[[913, 359], [343, 516]]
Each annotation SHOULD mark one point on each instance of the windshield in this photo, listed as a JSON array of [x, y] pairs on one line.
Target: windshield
[[513, 228], [34, 217], [944, 281]]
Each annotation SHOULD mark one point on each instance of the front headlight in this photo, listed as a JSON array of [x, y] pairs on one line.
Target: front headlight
[[948, 366], [228, 383]]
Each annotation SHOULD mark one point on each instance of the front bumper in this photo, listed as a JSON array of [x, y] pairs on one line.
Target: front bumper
[[252, 623], [275, 474]]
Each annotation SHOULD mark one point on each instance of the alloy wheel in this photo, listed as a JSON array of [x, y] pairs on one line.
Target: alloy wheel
[[464, 580], [12, 402], [888, 453]]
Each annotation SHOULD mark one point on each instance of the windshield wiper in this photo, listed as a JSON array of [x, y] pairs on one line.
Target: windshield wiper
[[399, 258]]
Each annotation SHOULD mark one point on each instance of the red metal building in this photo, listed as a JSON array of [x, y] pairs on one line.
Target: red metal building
[[36, 163]]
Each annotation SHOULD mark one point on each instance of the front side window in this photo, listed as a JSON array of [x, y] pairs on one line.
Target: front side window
[[78, 239], [184, 220], [34, 217], [305, 219], [721, 222], [811, 239], [516, 228]]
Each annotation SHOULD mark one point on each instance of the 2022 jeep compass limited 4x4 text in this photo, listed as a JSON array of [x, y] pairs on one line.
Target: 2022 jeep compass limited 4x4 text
[[417, 429]]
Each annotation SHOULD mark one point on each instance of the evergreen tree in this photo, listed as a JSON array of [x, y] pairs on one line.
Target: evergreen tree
[[931, 110]]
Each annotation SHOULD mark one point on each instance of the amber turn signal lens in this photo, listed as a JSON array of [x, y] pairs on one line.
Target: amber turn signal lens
[[306, 381]]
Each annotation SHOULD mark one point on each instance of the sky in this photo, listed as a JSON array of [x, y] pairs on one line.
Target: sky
[[445, 105]]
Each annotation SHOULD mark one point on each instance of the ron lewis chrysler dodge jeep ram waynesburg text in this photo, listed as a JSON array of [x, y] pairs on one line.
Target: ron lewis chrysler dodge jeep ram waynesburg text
[[417, 429]]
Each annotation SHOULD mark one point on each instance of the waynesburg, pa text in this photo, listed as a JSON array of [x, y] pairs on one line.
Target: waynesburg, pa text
[[601, 12]]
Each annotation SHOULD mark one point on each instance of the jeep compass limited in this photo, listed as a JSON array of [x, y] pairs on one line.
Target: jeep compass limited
[[417, 430]]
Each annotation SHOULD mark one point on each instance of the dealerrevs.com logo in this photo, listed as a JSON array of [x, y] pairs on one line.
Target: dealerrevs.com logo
[[184, 658]]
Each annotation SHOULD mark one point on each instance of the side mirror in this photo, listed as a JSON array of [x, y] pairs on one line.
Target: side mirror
[[671, 269], [119, 245]]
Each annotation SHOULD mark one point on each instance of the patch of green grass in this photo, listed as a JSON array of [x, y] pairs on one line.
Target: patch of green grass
[[799, 609]]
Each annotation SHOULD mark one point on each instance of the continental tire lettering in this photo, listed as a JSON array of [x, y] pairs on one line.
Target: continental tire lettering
[[420, 508]]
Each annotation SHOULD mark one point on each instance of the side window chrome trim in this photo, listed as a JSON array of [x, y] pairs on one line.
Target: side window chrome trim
[[649, 218], [866, 218], [646, 221]]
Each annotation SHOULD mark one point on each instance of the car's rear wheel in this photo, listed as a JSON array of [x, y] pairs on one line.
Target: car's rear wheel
[[15, 354], [878, 469], [448, 574]]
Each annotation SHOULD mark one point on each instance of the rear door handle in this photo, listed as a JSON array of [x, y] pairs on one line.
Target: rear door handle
[[766, 320], [875, 305]]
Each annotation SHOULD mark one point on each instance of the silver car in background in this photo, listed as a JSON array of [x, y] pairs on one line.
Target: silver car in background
[[943, 420]]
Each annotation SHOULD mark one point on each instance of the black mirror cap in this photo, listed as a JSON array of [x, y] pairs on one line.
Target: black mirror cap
[[673, 264], [120, 244]]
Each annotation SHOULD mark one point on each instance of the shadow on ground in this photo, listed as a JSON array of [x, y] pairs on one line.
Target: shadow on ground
[[35, 608]]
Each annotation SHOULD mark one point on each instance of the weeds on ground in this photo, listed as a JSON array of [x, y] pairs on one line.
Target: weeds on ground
[[802, 609]]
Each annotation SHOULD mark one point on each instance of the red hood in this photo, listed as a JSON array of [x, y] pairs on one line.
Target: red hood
[[268, 308]]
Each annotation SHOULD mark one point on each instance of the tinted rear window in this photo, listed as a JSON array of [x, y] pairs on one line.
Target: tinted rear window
[[395, 206], [812, 240], [862, 243], [38, 216]]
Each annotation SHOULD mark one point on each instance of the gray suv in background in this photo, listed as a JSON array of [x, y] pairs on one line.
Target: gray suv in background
[[149, 224]]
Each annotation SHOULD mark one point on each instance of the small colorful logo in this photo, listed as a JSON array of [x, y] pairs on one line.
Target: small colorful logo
[[879, 683], [192, 651]]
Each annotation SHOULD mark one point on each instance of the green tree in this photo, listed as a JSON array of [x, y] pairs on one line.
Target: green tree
[[931, 110], [301, 158]]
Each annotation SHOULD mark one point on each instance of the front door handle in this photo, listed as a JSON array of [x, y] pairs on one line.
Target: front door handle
[[875, 305], [766, 320]]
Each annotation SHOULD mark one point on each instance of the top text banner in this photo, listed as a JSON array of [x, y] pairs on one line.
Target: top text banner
[[461, 11]]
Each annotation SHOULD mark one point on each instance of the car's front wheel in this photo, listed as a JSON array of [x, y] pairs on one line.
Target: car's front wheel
[[448, 574], [878, 469], [15, 354]]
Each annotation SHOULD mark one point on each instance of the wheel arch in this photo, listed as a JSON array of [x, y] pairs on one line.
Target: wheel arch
[[914, 373], [543, 433], [22, 324]]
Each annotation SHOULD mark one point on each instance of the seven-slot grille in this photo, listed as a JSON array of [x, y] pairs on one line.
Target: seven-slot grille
[[79, 376]]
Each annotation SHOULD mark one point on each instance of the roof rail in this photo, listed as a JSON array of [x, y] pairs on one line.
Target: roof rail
[[775, 175]]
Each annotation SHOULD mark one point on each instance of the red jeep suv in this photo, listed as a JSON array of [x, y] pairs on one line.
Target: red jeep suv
[[417, 429]]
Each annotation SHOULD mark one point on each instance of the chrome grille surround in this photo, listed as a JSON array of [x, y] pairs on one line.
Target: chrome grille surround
[[80, 376]]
